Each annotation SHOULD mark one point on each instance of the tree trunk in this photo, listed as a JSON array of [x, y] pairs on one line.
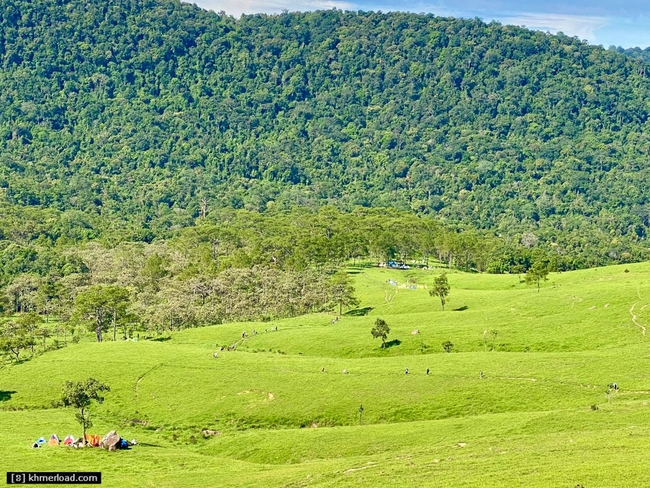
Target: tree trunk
[[98, 333], [83, 428], [114, 325]]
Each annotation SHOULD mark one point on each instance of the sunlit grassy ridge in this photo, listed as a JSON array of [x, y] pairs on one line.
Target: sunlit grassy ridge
[[528, 421]]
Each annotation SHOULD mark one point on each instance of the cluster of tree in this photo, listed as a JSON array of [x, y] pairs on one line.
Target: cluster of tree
[[249, 268], [638, 53], [35, 270], [27, 334], [137, 117], [243, 265]]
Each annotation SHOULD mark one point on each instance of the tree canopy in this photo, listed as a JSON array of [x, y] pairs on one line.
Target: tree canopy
[[80, 395], [157, 112]]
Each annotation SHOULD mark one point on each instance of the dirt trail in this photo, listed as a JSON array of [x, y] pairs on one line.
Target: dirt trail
[[137, 383], [634, 319]]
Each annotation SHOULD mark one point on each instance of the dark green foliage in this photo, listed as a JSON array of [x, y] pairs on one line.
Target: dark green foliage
[[380, 331], [80, 395], [158, 112], [341, 291], [537, 273], [448, 346], [440, 289]]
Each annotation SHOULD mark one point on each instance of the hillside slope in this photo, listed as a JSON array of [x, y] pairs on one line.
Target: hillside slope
[[538, 416], [141, 109]]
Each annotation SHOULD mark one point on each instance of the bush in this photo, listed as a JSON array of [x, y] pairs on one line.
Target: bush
[[447, 346]]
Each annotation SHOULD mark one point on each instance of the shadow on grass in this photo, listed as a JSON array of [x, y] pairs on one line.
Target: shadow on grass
[[394, 342], [162, 339], [358, 312], [460, 309], [6, 395]]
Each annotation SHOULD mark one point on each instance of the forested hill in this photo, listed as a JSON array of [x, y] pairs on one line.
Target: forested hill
[[152, 110]]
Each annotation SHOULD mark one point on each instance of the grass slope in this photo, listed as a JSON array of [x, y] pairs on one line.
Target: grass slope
[[282, 422]]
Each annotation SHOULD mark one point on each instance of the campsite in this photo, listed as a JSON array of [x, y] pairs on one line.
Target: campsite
[[277, 410]]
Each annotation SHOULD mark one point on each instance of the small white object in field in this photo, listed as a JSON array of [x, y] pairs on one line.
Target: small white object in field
[[415, 332]]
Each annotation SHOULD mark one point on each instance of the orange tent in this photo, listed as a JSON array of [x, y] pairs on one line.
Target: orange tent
[[93, 440], [54, 440]]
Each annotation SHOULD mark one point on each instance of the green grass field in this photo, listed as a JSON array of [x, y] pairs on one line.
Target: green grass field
[[282, 422]]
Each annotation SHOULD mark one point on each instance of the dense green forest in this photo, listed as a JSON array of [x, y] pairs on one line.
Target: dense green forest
[[634, 52], [142, 110]]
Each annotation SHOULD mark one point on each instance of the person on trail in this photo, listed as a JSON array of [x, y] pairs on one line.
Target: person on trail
[[407, 371], [345, 371], [615, 386], [480, 375], [322, 370], [427, 371]]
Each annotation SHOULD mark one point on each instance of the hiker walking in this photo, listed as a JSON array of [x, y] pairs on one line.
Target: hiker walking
[[407, 371], [427, 371]]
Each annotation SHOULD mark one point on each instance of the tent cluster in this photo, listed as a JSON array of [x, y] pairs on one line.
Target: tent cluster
[[111, 441]]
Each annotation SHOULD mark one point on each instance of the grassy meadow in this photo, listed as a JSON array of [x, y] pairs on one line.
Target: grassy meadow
[[538, 416]]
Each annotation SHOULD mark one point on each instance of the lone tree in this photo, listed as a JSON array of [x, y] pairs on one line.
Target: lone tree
[[447, 346], [380, 331], [80, 394], [342, 291], [536, 273], [440, 289]]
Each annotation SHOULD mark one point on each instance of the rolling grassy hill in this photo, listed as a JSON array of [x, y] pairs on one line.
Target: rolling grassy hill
[[282, 422]]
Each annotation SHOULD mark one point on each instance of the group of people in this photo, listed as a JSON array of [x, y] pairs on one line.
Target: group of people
[[233, 346], [244, 334], [345, 371]]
